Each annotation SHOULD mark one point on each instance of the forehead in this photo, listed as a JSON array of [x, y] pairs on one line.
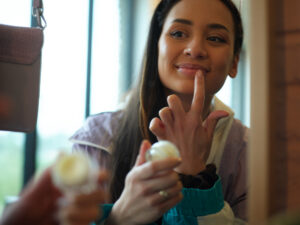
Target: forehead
[[201, 12]]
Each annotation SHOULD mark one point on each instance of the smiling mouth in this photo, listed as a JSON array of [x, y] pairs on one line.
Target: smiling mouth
[[190, 70]]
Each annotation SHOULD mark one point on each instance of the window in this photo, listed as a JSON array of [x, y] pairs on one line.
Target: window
[[65, 62], [105, 57], [63, 77], [236, 92], [11, 161], [64, 71]]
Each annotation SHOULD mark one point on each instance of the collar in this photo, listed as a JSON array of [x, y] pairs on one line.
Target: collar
[[221, 133]]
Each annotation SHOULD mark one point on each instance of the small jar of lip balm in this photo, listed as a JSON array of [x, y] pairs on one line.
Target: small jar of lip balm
[[161, 150], [75, 173]]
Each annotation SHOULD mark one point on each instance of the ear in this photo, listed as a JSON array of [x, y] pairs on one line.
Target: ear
[[234, 68]]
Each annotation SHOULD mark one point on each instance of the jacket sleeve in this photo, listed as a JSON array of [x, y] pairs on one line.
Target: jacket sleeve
[[224, 217], [201, 207], [233, 170], [101, 156], [206, 180], [239, 185], [236, 186]]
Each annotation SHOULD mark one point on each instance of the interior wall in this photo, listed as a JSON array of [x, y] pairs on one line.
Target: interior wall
[[285, 105], [289, 36], [258, 154], [275, 92]]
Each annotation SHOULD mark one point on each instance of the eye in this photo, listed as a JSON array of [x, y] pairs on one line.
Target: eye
[[177, 34], [216, 39]]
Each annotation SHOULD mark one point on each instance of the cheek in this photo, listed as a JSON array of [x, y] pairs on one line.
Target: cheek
[[223, 63], [222, 67], [162, 47], [163, 58]]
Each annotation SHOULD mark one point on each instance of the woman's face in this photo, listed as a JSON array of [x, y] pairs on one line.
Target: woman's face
[[197, 35]]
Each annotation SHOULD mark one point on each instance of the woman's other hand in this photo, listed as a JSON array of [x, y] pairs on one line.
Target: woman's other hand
[[151, 188], [36, 205], [187, 130]]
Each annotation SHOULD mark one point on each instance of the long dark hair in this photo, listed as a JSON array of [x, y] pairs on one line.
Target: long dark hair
[[147, 99]]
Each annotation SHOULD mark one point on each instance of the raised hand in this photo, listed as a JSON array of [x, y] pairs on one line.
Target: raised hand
[[151, 188], [187, 130]]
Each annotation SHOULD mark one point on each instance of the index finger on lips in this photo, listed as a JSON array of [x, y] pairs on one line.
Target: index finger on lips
[[151, 169], [199, 93]]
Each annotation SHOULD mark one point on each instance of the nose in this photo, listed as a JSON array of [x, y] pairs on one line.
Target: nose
[[195, 49]]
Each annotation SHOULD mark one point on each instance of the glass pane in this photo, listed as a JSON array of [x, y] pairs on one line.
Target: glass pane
[[63, 77], [225, 93], [11, 143], [16, 16], [105, 56], [141, 23], [11, 158]]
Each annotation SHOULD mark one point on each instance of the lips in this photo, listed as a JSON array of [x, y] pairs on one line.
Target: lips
[[189, 69]]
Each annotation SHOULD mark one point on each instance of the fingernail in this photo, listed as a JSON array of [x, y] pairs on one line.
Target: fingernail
[[168, 99], [170, 96], [151, 124]]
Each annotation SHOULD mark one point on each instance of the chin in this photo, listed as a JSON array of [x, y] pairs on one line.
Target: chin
[[184, 91], [185, 88]]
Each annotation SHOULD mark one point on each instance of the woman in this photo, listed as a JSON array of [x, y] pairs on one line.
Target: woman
[[192, 46]]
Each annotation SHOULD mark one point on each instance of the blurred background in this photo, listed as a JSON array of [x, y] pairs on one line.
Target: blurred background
[[91, 54]]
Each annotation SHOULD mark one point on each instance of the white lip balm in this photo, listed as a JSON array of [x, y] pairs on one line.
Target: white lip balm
[[74, 172], [162, 150]]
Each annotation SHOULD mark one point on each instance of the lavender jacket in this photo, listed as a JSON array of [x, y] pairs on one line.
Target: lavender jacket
[[96, 137]]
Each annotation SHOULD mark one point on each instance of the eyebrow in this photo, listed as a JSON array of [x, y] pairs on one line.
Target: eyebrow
[[211, 26], [184, 21], [218, 26]]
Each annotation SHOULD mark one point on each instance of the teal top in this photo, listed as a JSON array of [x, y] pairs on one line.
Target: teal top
[[195, 203]]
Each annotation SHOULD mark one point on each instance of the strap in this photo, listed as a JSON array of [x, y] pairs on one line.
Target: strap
[[38, 4], [37, 12]]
